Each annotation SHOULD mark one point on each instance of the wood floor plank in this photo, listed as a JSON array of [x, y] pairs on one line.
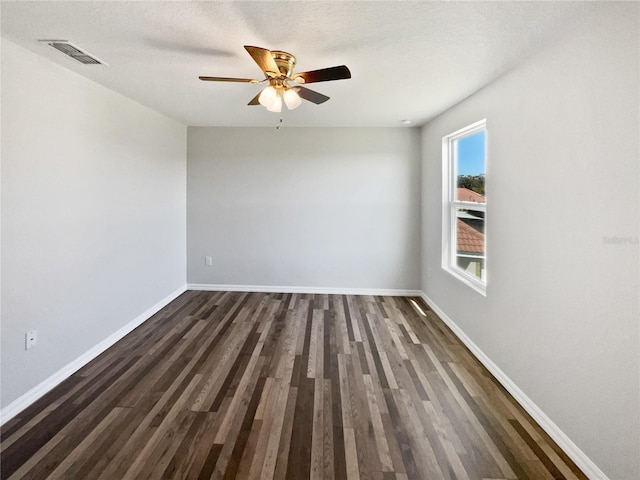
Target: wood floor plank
[[72, 459], [285, 437], [27, 469], [240, 385]]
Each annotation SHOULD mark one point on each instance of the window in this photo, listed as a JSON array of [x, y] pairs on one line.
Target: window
[[464, 157]]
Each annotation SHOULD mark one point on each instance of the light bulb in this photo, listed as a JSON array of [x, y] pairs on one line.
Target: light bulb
[[267, 96], [292, 99], [276, 105]]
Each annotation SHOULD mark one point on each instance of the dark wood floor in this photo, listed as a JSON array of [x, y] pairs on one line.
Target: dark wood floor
[[282, 386]]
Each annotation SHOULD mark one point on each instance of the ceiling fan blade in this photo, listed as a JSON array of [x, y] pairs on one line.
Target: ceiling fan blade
[[324, 75], [263, 58], [228, 79], [254, 100], [311, 95]]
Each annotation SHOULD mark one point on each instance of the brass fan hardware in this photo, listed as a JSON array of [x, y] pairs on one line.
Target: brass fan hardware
[[284, 85], [285, 62]]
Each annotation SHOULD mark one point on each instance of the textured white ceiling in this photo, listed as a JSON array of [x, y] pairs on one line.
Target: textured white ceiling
[[409, 60]]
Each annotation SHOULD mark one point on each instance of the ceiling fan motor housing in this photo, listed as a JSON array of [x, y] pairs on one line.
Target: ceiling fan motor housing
[[285, 62]]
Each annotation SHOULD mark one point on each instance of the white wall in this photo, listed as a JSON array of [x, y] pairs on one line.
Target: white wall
[[561, 314], [304, 207], [93, 214]]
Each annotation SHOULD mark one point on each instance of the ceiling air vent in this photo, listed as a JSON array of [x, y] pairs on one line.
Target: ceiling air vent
[[74, 52]]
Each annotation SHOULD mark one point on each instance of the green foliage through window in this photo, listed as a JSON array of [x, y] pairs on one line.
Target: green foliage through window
[[472, 182]]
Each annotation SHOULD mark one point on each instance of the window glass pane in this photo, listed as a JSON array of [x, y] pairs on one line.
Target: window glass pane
[[470, 242], [470, 168]]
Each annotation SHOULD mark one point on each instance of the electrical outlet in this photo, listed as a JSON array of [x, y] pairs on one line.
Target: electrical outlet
[[208, 261], [30, 339]]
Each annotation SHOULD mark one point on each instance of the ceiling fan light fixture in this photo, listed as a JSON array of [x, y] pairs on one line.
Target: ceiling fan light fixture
[[291, 99]]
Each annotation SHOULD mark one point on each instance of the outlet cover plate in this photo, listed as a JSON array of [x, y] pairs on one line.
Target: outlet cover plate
[[30, 339]]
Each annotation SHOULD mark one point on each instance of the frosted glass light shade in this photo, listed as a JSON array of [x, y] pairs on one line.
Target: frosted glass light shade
[[267, 96], [292, 99], [276, 104]]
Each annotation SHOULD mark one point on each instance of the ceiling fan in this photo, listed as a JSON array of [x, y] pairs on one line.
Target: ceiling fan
[[284, 85]]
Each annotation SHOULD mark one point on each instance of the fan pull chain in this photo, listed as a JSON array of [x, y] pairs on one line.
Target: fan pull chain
[[279, 124]]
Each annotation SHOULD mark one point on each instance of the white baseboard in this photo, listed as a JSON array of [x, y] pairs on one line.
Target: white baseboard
[[320, 290], [22, 402], [585, 464]]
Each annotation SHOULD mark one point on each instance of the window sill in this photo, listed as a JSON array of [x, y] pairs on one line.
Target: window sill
[[478, 286]]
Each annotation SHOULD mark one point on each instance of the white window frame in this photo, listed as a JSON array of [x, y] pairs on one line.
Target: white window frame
[[450, 206]]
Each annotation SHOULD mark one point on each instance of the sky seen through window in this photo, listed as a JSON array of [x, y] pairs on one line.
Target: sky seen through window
[[471, 154]]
